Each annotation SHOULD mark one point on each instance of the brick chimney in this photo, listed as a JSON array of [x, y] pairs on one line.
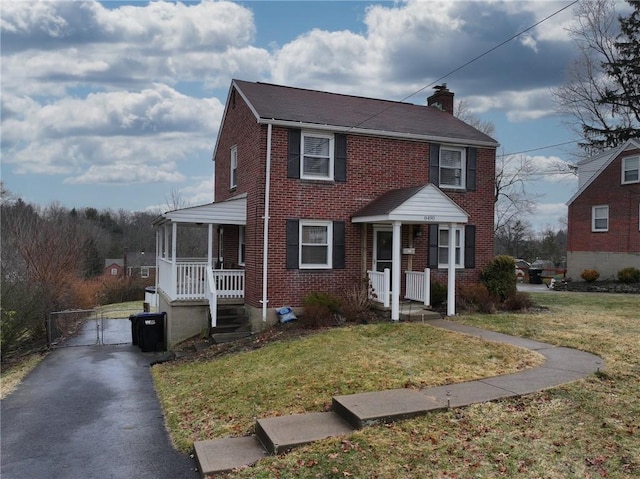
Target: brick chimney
[[442, 98]]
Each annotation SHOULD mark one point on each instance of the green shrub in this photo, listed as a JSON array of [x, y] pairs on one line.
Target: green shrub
[[438, 294], [500, 277], [589, 275], [476, 298], [320, 310], [629, 275]]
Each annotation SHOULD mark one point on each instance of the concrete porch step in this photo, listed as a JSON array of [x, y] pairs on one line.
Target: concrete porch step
[[219, 338]]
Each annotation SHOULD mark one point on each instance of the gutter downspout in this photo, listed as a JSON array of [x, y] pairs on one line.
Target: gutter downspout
[[265, 244]]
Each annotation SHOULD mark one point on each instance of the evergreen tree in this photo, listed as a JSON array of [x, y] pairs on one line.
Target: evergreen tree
[[623, 95]]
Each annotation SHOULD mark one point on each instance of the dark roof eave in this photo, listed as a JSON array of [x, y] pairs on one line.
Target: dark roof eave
[[380, 133]]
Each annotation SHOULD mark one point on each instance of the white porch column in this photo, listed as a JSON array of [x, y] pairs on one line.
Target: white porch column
[[395, 271], [165, 248], [174, 262], [451, 272], [210, 245]]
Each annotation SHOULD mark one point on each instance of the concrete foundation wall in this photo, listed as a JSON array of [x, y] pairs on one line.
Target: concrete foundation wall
[[255, 317], [607, 264], [185, 319]]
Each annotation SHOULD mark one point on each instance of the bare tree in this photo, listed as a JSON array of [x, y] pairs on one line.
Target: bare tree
[[586, 94], [464, 113]]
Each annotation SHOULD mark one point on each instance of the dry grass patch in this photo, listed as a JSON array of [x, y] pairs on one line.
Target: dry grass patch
[[222, 397], [14, 372], [586, 429]]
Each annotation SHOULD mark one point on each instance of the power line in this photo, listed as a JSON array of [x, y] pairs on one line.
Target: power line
[[537, 149], [471, 61], [513, 37]]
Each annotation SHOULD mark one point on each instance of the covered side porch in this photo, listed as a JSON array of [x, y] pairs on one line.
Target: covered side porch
[[414, 206], [192, 278]]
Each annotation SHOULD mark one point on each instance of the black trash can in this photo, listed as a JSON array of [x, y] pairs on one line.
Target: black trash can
[[535, 276], [151, 331], [134, 329]]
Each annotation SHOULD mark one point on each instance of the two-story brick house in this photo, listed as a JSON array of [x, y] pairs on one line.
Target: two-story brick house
[[604, 214], [315, 191]]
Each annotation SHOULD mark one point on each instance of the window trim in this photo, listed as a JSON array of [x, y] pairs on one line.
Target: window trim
[[463, 167], [331, 138], [594, 218], [329, 244], [233, 167], [460, 229], [625, 170]]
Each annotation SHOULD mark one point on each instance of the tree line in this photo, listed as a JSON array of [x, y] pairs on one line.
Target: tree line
[[53, 259]]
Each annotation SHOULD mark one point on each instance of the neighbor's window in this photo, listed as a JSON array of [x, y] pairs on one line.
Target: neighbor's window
[[144, 272], [315, 244], [631, 170], [241, 245], [443, 247], [234, 167], [114, 271], [317, 156], [600, 218], [452, 167]]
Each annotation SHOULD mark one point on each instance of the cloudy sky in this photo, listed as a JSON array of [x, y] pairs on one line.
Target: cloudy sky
[[118, 104]]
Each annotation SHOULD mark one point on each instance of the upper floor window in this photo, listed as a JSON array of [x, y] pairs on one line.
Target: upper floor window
[[600, 218], [144, 272], [631, 169], [443, 246], [452, 167], [317, 156], [233, 182], [315, 244]]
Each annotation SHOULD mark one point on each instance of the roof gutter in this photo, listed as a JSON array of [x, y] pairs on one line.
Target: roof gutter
[[378, 133]]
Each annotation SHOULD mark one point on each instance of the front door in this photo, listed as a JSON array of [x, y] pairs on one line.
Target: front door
[[382, 249]]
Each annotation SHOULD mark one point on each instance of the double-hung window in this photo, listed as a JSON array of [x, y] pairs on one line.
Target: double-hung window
[[443, 246], [315, 244], [600, 218], [144, 272], [631, 170], [317, 156], [233, 171], [452, 167]]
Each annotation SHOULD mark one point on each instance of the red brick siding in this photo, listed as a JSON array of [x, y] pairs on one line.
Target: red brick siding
[[374, 166], [623, 202]]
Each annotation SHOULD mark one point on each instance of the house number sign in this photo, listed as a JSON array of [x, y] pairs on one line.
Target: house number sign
[[430, 218]]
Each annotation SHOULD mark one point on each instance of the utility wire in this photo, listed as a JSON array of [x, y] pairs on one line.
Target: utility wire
[[455, 70], [537, 149]]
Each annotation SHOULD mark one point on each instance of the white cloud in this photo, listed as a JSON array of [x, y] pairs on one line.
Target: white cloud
[[549, 216], [127, 173]]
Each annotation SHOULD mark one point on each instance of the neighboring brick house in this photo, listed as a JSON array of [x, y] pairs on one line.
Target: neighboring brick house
[[114, 267], [313, 190], [604, 214]]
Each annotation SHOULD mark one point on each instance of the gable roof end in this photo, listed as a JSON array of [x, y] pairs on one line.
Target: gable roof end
[[631, 144]]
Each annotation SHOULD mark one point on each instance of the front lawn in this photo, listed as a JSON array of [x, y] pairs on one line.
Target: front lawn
[[586, 429], [213, 398]]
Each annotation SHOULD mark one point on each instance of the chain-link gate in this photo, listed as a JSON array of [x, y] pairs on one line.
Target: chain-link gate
[[89, 327]]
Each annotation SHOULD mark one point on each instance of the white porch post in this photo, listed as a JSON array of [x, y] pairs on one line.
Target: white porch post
[[210, 245], [165, 246], [395, 275], [174, 262], [451, 272]]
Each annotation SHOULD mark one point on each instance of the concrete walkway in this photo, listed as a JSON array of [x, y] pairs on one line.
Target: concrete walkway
[[90, 411], [279, 434]]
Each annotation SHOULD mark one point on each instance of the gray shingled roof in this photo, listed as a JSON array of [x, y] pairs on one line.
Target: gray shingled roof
[[388, 201], [288, 104]]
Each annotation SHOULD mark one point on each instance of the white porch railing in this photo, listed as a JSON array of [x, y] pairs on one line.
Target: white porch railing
[[380, 286], [418, 286], [187, 280]]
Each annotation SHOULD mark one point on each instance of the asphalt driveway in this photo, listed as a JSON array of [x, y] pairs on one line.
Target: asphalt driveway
[[90, 411]]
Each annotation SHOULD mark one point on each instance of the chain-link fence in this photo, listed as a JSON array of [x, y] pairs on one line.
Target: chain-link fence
[[89, 327]]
